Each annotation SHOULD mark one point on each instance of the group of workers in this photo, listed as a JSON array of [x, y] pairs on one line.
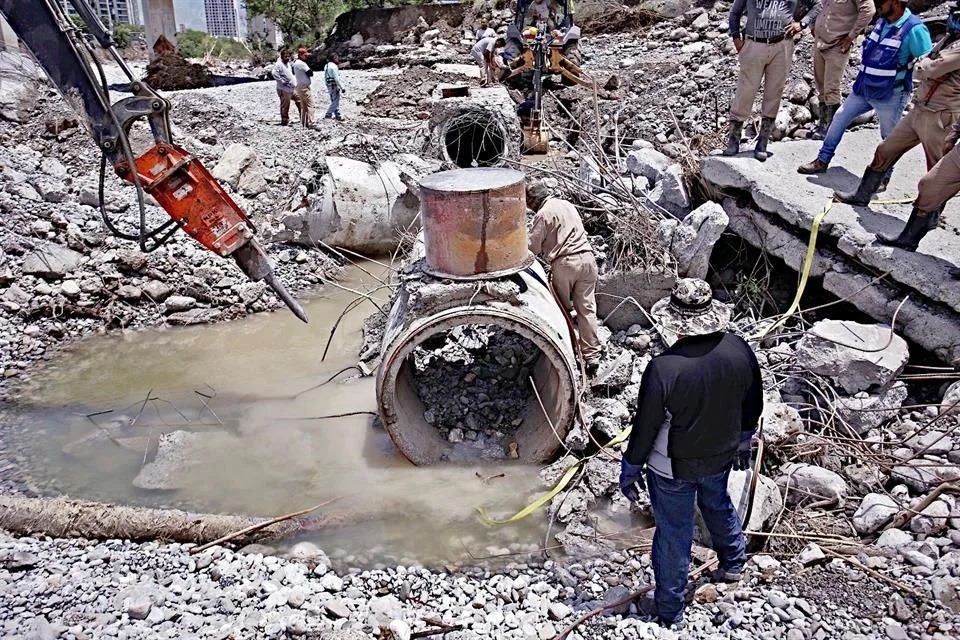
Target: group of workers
[[293, 85], [698, 406], [896, 52]]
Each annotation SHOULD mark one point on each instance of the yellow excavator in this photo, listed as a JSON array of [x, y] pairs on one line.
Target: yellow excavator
[[535, 51]]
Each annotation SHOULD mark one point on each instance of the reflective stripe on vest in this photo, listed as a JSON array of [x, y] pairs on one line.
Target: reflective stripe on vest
[[881, 51]]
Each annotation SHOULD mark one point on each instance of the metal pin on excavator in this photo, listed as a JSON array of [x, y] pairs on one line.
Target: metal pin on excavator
[[177, 180]]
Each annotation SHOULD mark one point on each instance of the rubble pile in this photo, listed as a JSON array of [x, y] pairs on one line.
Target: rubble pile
[[171, 71], [474, 383], [407, 95]]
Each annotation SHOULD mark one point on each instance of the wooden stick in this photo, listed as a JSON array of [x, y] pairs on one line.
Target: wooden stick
[[639, 593], [903, 517], [260, 525], [877, 574]]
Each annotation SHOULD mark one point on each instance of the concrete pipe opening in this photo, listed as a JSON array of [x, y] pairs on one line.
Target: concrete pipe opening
[[541, 429], [475, 139]]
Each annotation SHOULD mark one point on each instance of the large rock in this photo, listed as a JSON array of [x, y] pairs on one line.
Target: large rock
[[624, 291], [665, 8], [875, 511], [647, 162], [235, 159], [933, 519], [868, 411], [177, 452], [922, 474], [857, 357], [808, 482], [51, 261], [690, 241], [670, 192], [951, 399], [767, 501], [780, 422]]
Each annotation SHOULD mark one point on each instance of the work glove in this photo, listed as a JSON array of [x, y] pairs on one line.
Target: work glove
[[744, 452], [631, 480]]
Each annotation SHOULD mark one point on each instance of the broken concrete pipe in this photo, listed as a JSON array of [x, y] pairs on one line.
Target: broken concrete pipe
[[476, 271], [480, 129], [474, 223]]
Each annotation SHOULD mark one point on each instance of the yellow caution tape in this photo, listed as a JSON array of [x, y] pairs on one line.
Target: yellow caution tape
[[808, 262], [547, 497]]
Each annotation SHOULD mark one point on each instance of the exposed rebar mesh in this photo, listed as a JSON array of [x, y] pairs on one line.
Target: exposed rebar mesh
[[475, 139]]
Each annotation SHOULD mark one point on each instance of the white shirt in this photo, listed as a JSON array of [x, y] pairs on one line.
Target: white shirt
[[300, 69], [284, 77], [541, 11], [485, 44], [485, 33]]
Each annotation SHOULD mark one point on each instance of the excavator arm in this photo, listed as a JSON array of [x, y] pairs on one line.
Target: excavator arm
[[176, 179]]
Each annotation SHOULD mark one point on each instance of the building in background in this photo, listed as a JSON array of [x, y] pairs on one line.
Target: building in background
[[263, 27], [223, 18], [111, 12]]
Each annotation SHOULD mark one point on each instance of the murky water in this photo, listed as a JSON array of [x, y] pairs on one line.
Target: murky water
[[248, 392]]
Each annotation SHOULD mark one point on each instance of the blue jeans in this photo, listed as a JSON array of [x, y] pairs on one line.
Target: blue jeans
[[888, 111], [672, 502], [334, 109]]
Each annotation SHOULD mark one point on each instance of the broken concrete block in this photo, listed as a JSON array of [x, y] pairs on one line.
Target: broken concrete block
[[874, 512], [690, 241], [176, 453], [809, 483], [767, 501], [855, 356], [52, 261], [670, 192], [647, 162], [480, 129], [644, 288], [780, 422], [235, 159], [868, 411], [951, 399]]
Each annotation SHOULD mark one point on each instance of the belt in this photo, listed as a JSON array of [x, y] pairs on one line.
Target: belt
[[773, 40]]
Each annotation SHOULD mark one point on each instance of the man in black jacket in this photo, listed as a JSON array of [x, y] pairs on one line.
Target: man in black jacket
[[698, 407]]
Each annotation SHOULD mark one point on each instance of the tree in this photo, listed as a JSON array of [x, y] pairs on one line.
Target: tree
[[306, 21]]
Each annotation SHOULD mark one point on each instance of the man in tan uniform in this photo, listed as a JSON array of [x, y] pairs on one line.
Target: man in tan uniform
[[934, 190], [834, 32], [935, 109], [559, 238]]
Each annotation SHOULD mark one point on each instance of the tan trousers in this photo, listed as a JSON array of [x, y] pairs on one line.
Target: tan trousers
[[767, 63], [940, 183], [574, 279], [919, 126], [305, 105], [828, 67], [285, 100]]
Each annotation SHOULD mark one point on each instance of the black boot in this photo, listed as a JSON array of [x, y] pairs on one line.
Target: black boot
[[917, 226], [827, 112], [733, 138], [763, 137], [868, 186], [955, 273]]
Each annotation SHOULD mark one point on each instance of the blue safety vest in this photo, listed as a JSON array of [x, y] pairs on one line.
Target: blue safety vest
[[877, 79]]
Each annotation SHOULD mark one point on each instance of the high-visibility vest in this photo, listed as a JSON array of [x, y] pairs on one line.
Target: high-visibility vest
[[880, 65]]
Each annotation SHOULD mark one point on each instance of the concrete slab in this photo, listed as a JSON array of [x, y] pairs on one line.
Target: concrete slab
[[785, 203]]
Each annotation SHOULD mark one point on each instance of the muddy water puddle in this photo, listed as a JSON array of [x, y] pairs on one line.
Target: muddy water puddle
[[235, 418]]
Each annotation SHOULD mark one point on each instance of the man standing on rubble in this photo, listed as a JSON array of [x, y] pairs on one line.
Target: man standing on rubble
[[834, 33], [286, 85], [765, 50], [557, 235], [935, 109], [303, 74], [331, 77], [697, 409], [885, 80]]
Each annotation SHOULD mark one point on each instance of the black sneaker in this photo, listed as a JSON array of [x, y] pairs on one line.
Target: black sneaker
[[592, 368]]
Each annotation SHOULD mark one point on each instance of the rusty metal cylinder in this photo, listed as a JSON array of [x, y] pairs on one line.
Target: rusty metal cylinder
[[474, 223]]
